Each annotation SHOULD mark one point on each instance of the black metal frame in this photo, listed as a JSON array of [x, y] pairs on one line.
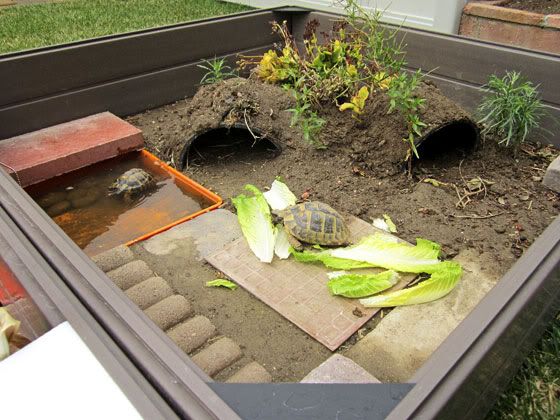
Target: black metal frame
[[129, 73]]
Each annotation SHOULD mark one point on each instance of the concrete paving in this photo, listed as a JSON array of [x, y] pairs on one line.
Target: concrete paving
[[338, 369], [169, 311], [113, 258], [202, 230], [408, 335], [218, 356], [193, 333], [130, 274], [251, 373], [552, 175]]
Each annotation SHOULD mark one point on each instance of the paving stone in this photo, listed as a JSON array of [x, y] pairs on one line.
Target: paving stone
[[408, 335], [251, 373], [210, 232], [170, 311], [218, 356], [193, 333], [62, 148], [338, 369], [149, 292], [130, 274], [552, 175], [113, 258]]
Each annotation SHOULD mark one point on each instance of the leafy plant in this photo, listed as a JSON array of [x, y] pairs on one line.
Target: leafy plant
[[401, 97], [357, 102], [216, 71], [511, 108]]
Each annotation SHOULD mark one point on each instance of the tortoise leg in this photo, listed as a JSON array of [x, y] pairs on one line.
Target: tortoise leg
[[294, 242]]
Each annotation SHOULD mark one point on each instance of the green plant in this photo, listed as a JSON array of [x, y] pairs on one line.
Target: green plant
[[511, 109], [402, 98], [216, 71]]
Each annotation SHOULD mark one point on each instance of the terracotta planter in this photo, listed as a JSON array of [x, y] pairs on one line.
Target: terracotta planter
[[491, 22]]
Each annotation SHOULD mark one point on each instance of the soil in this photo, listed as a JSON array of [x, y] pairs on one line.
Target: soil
[[482, 198], [546, 7]]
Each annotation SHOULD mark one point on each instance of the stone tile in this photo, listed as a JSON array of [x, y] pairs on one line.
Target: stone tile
[[113, 258], [552, 175], [149, 292], [408, 335], [218, 356], [130, 274], [251, 373], [338, 369], [169, 311], [193, 333], [298, 292]]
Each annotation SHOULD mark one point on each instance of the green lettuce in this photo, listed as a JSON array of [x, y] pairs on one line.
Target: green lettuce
[[379, 250], [279, 196], [443, 279], [361, 285], [221, 283], [281, 243], [255, 219]]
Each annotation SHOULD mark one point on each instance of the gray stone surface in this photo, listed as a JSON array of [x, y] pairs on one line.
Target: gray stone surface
[[552, 175], [408, 335], [210, 232], [170, 311], [338, 369], [218, 356], [193, 333], [251, 373], [149, 292], [113, 258], [130, 274]]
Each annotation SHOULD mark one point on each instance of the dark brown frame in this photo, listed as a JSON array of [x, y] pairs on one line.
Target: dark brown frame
[[129, 73]]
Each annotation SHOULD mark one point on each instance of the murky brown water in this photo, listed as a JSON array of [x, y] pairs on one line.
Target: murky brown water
[[79, 203]]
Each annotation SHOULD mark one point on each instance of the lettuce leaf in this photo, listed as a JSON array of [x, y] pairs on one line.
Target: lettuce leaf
[[255, 219], [279, 196], [328, 260], [281, 244], [361, 285], [221, 283], [442, 281], [378, 250]]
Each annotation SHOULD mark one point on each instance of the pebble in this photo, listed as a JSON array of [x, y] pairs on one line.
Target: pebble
[[59, 208], [500, 229], [51, 198]]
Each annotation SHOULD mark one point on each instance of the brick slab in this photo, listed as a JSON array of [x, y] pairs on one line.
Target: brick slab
[[218, 356], [62, 148], [338, 369]]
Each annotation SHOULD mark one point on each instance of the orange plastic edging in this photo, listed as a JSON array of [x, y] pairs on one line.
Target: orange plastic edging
[[185, 181]]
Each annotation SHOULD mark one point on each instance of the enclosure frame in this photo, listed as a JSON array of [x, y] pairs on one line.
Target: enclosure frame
[[129, 73]]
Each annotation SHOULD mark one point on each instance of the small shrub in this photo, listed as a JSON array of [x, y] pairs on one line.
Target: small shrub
[[216, 71], [511, 109]]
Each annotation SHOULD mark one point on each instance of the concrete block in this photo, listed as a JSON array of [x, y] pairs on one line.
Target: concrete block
[[408, 335], [149, 292], [218, 356], [62, 148], [113, 258], [552, 176], [193, 333], [338, 369], [252, 373], [210, 232], [130, 274], [170, 311]]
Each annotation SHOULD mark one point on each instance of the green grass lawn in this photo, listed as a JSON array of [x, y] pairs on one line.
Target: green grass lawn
[[38, 25], [533, 394]]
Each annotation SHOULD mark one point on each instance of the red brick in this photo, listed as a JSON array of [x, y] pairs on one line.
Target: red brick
[[503, 13], [552, 21], [62, 148]]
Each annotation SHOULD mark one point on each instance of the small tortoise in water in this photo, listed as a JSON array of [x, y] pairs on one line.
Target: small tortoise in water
[[314, 222], [132, 183]]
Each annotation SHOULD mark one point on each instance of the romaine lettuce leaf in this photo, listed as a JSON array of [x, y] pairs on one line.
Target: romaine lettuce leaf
[[361, 285]]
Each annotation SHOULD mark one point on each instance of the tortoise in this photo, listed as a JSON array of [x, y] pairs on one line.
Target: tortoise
[[316, 223], [132, 183]]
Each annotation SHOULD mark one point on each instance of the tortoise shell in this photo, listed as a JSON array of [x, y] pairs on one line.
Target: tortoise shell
[[316, 223], [132, 182]]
